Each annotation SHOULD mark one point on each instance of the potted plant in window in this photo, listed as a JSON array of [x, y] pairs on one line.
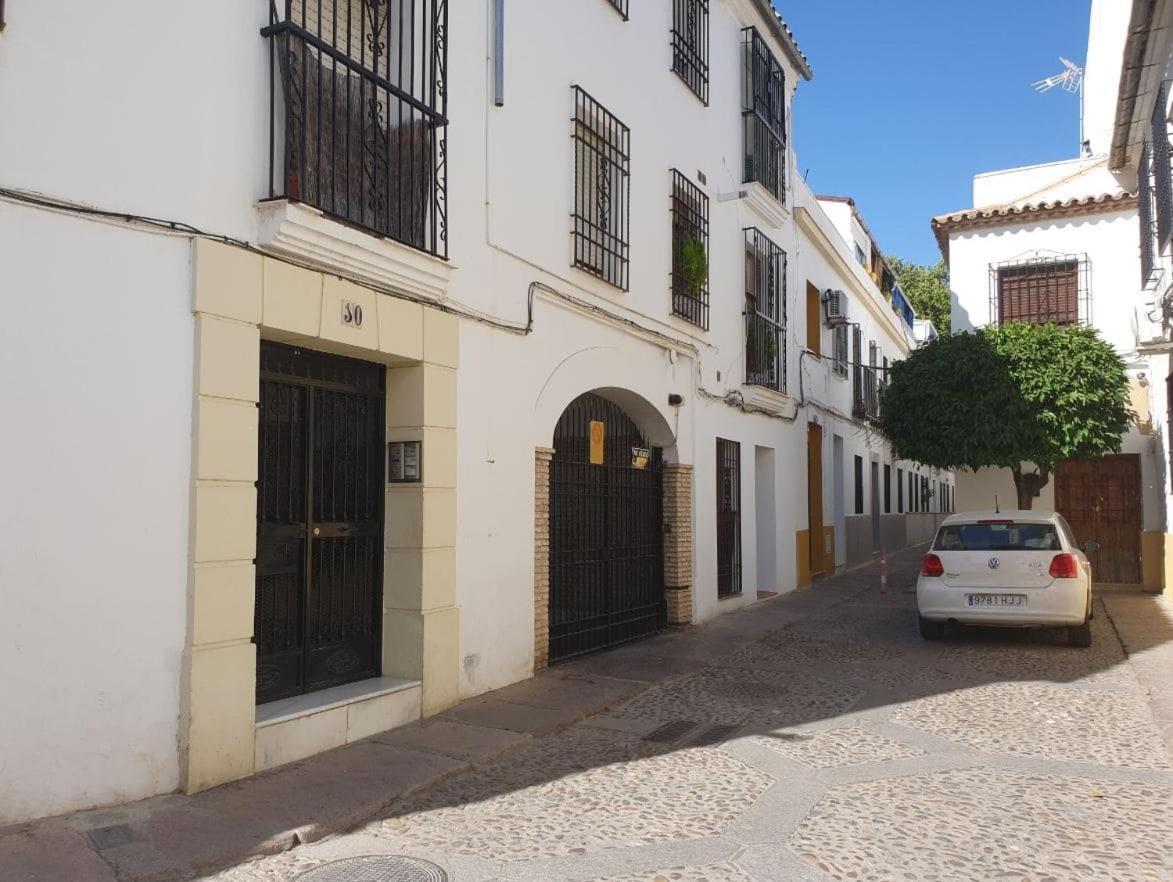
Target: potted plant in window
[[694, 264]]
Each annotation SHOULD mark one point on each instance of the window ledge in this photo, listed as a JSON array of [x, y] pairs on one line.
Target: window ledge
[[763, 202], [307, 234], [764, 398], [287, 709]]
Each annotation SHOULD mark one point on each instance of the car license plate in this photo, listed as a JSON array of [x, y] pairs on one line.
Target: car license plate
[[996, 599]]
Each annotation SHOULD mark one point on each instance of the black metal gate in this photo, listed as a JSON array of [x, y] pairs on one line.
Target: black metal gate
[[319, 521], [606, 531], [728, 518]]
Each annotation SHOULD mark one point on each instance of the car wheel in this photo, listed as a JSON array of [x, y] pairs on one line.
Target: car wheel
[[931, 630], [1080, 635]]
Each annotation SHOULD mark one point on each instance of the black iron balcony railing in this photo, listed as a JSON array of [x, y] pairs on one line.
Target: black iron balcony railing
[[765, 312], [358, 113], [763, 116], [871, 401]]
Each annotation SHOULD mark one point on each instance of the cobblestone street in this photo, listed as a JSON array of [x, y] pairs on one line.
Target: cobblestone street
[[810, 737]]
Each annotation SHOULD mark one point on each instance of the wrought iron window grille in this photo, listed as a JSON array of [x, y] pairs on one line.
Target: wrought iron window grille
[[839, 350], [763, 116], [602, 183], [1041, 288], [358, 114], [620, 7], [857, 377], [1146, 214], [871, 401], [765, 312], [690, 251], [690, 45], [1160, 157]]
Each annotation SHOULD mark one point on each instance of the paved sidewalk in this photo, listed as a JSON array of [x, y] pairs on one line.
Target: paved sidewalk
[[809, 737]]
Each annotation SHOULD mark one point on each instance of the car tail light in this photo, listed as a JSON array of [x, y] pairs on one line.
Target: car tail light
[[1064, 566], [932, 567]]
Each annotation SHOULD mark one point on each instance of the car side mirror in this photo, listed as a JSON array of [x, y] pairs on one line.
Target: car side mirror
[[1090, 547]]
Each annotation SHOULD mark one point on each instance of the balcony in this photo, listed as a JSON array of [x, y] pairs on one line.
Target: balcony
[[765, 312], [358, 114], [763, 116]]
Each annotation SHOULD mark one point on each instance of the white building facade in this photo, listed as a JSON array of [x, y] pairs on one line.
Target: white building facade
[[1057, 243], [368, 378]]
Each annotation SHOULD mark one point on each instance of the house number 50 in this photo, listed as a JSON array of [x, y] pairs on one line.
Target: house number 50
[[351, 314]]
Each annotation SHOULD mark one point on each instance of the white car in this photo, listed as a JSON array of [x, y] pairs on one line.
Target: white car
[[1008, 569]]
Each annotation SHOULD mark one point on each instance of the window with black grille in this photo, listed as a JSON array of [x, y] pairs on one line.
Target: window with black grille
[[690, 251], [1162, 174], [859, 485], [728, 518], [1144, 205], [887, 489], [839, 349], [1041, 289], [857, 379], [763, 116], [871, 382], [359, 113], [765, 312], [900, 491], [620, 7], [690, 44], [602, 185]]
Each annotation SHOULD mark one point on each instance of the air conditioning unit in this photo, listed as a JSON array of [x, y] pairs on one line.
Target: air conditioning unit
[[834, 307]]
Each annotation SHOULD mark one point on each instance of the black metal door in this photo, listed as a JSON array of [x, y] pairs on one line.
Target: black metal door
[[728, 518], [606, 531], [319, 521]]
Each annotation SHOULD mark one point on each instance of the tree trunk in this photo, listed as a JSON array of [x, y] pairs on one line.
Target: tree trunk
[[1029, 486]]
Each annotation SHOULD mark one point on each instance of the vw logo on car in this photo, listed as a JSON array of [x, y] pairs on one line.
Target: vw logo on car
[[994, 563]]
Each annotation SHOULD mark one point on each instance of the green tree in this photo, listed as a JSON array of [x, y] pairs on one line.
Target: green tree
[[1014, 396], [927, 288]]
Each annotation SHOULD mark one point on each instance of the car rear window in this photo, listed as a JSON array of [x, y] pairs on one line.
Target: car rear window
[[1008, 536]]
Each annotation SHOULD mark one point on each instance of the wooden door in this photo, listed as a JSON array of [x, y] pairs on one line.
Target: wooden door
[[814, 473], [814, 319], [1101, 500]]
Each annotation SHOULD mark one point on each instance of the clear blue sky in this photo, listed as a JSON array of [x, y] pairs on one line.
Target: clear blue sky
[[911, 98]]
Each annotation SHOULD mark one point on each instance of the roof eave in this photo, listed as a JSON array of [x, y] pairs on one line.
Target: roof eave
[[782, 32]]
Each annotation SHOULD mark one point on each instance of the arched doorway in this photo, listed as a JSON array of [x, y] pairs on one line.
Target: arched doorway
[[606, 531]]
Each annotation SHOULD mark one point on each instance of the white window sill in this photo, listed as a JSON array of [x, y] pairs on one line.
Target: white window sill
[[767, 207], [287, 709], [307, 234], [764, 398]]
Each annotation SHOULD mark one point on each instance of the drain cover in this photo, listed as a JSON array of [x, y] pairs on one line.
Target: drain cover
[[376, 868]]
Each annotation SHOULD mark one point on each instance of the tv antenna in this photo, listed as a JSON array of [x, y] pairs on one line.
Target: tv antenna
[[1070, 79]]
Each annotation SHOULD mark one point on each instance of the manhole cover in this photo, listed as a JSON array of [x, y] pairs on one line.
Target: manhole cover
[[376, 868]]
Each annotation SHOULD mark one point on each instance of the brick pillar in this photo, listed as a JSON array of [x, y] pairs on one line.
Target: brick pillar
[[543, 456], [678, 542]]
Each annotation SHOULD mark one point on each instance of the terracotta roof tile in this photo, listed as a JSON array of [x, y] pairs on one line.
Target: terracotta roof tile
[[999, 215]]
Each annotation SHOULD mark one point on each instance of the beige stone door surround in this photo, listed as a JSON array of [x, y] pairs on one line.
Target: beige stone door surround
[[239, 298]]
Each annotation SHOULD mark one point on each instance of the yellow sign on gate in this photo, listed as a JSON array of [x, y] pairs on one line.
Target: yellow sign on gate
[[598, 434]]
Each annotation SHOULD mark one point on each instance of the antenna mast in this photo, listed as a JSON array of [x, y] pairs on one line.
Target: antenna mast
[[1070, 79]]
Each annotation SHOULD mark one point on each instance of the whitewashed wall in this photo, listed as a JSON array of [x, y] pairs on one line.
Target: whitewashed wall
[[512, 225], [96, 349], [1049, 182]]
